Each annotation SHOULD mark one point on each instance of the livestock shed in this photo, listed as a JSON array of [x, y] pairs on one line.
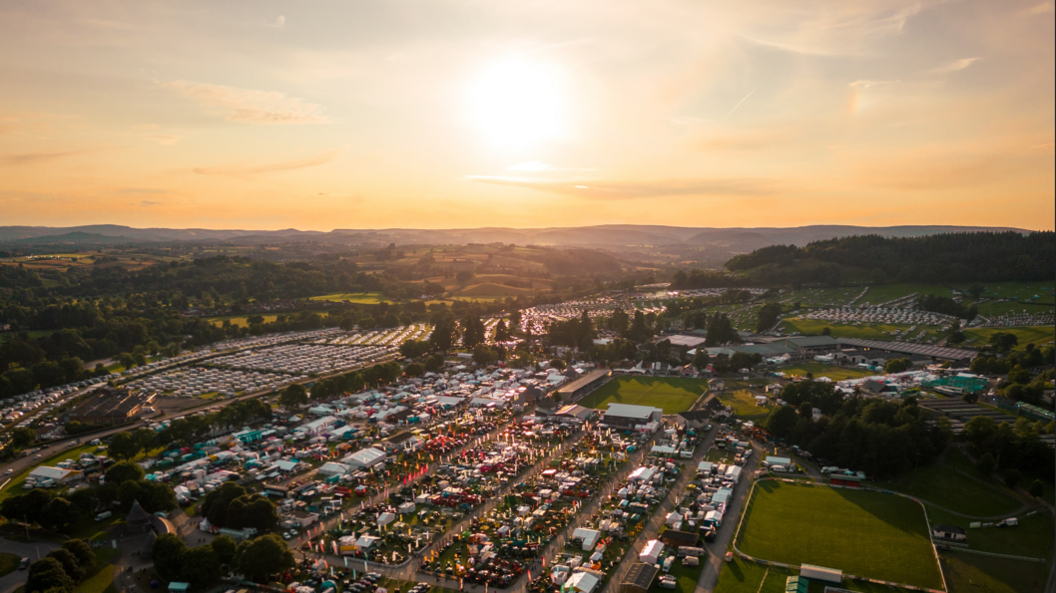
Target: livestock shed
[[628, 416], [935, 353], [577, 388], [639, 578]]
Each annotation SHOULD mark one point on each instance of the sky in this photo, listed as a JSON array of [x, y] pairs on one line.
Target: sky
[[530, 113]]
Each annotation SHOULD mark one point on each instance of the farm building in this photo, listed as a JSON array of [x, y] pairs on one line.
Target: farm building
[[907, 350], [949, 533], [110, 406], [639, 578], [796, 584], [629, 416], [577, 388], [679, 539], [365, 458], [575, 413]]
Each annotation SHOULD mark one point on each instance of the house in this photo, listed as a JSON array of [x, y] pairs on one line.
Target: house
[[949, 533], [299, 519], [639, 578], [629, 416]]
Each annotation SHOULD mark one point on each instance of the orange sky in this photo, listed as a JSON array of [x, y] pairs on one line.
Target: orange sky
[[463, 113]]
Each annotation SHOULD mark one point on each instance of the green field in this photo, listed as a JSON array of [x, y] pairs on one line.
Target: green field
[[8, 563], [1037, 335], [839, 330], [825, 370], [942, 485], [740, 576], [971, 573], [742, 402], [674, 395], [868, 534], [361, 298]]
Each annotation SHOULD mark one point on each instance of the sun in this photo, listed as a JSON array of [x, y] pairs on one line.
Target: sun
[[518, 103]]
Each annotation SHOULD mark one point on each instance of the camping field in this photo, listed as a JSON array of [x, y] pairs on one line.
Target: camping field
[[672, 394], [879, 536], [1026, 335]]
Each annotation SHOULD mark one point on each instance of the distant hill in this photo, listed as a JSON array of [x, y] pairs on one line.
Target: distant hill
[[731, 240]]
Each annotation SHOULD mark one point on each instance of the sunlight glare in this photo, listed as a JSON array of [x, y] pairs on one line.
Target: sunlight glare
[[517, 103]]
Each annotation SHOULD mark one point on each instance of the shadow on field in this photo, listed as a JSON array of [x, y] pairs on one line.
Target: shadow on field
[[901, 513]]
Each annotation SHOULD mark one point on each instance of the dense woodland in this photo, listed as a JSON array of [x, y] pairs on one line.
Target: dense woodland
[[952, 257]]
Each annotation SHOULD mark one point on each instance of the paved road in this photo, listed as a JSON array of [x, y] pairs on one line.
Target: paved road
[[709, 576], [33, 551]]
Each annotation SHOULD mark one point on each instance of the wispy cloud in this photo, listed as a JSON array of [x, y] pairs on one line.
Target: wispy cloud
[[1043, 8], [609, 190], [246, 171], [149, 203], [278, 23], [540, 166], [249, 106], [954, 66], [33, 158], [868, 84], [739, 103], [142, 190]]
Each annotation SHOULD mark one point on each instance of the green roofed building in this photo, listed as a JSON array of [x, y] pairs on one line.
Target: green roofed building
[[796, 584], [957, 385]]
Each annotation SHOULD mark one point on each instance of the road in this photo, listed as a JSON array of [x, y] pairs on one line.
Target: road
[[34, 551]]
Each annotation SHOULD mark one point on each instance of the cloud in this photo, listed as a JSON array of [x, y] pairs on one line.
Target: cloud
[[615, 190], [954, 66], [868, 84], [1043, 8], [142, 190], [249, 106], [278, 23], [838, 31], [32, 158], [751, 140], [245, 171], [149, 203], [538, 166]]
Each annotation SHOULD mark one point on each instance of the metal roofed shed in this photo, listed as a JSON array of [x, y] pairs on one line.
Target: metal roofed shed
[[934, 352], [581, 582], [579, 386], [684, 340], [821, 573], [639, 578], [629, 415]]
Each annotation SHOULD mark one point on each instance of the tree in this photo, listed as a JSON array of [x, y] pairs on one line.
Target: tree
[[293, 397], [484, 355], [769, 314], [70, 565], [414, 370], [123, 471], [414, 348], [826, 331], [975, 290], [464, 277], [955, 338], [701, 359], [123, 446], [82, 551], [200, 566], [252, 510], [442, 337], [620, 322], [215, 505], [898, 365], [782, 422], [23, 437], [1019, 375], [263, 556], [434, 363], [1003, 341], [986, 464], [225, 548], [1012, 477], [59, 514], [127, 360], [167, 552], [1037, 488], [558, 364], [502, 333], [47, 573]]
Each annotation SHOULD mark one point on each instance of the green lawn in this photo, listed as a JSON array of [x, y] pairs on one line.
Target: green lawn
[[8, 563], [687, 577], [1036, 335], [742, 402], [748, 577], [1031, 538], [942, 485], [869, 534], [362, 298], [818, 369], [674, 395], [972, 573]]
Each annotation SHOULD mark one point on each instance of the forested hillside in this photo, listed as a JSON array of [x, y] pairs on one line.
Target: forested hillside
[[953, 257]]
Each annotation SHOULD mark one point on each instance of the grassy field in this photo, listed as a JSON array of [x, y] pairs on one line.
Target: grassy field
[[742, 402], [748, 577], [361, 298], [863, 533], [839, 330], [825, 370], [8, 563], [674, 395], [971, 573], [1031, 538], [686, 577], [1037, 335], [942, 485]]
